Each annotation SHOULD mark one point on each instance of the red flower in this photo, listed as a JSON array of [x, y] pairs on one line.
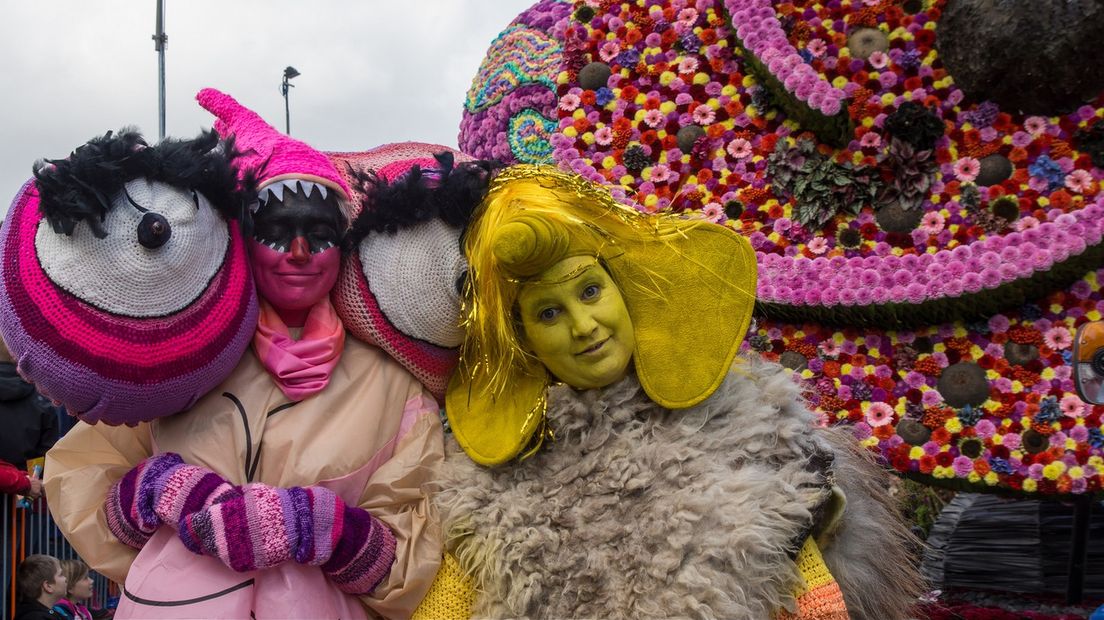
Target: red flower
[[925, 38]]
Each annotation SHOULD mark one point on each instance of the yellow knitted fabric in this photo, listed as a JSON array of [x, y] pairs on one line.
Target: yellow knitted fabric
[[820, 598], [451, 597]]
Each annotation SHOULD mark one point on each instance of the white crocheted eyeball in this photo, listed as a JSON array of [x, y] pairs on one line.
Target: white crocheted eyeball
[[416, 276], [164, 244]]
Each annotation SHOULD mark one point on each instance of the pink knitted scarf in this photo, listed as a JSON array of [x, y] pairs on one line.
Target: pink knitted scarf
[[300, 367]]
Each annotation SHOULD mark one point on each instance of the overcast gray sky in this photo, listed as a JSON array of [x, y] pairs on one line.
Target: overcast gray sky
[[373, 71]]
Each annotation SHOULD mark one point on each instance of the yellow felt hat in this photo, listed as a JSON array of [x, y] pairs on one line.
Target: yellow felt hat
[[689, 287]]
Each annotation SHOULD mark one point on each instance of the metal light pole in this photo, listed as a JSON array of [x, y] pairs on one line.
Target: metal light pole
[[160, 39], [289, 73]]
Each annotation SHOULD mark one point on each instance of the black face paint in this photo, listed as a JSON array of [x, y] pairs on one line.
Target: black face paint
[[316, 219]]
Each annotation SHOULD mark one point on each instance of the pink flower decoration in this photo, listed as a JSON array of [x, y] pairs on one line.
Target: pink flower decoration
[[660, 173], [1079, 181], [817, 47], [704, 115], [569, 102], [739, 148], [654, 118], [1058, 338], [870, 140], [714, 212], [688, 65], [1025, 223], [819, 245], [609, 51], [966, 169], [604, 136], [932, 222], [1035, 125], [879, 60], [879, 414], [1072, 406]]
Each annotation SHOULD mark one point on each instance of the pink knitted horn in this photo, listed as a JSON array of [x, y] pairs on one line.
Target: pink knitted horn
[[281, 156]]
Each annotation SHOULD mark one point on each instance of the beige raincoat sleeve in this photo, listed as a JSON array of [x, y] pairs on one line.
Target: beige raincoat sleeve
[[79, 471], [398, 494]]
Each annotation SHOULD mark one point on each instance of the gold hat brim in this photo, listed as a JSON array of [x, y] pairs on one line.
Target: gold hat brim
[[687, 337], [690, 297]]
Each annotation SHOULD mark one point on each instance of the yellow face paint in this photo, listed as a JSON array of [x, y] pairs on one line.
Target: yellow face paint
[[576, 323]]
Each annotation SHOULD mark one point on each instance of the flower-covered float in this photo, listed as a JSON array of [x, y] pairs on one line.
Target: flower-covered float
[[927, 247]]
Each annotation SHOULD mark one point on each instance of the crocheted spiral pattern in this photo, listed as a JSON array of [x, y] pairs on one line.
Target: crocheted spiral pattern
[[925, 258], [105, 366], [513, 95], [353, 296]]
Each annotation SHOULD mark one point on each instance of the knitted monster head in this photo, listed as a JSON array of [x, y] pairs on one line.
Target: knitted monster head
[[400, 284], [125, 294]]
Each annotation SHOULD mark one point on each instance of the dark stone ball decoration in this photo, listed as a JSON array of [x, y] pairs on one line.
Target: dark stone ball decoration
[[687, 136], [1019, 354], [913, 432], [865, 41], [964, 384], [896, 219], [793, 360], [594, 75], [993, 170]]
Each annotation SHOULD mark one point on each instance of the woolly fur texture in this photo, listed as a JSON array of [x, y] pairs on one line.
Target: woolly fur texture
[[636, 511]]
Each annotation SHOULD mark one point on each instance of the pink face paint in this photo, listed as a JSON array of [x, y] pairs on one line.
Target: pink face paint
[[294, 281]]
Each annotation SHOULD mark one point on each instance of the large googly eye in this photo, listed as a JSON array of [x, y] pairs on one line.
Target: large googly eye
[[154, 230], [416, 276], [135, 270]]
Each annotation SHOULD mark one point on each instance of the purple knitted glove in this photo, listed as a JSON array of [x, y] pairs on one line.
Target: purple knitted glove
[[258, 526], [158, 490]]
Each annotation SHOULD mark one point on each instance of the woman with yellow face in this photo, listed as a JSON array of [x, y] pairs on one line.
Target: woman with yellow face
[[575, 322], [609, 458]]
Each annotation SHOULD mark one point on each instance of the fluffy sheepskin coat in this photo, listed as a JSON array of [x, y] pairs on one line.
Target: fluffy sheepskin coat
[[637, 511]]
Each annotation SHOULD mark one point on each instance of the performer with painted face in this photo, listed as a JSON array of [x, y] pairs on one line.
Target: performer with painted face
[[294, 489], [615, 462]]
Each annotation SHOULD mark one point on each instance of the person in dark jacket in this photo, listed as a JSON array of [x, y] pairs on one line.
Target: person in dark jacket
[[28, 428], [41, 584]]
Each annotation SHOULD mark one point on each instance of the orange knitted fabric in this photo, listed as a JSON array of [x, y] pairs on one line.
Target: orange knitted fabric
[[820, 598]]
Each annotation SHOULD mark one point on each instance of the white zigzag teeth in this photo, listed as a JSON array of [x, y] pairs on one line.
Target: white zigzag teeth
[[291, 184], [277, 190], [322, 188]]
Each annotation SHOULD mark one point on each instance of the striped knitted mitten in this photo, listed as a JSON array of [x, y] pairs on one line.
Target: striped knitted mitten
[[251, 527], [158, 490], [258, 526]]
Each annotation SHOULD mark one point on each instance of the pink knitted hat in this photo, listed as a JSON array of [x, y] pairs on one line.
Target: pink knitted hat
[[405, 329], [274, 156]]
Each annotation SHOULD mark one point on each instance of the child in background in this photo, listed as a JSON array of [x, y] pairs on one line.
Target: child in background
[[41, 584], [74, 605]]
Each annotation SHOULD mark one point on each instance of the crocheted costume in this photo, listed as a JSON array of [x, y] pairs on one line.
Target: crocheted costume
[[125, 294], [262, 500]]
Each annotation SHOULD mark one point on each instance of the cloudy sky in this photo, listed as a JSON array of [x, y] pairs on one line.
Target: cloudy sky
[[372, 71]]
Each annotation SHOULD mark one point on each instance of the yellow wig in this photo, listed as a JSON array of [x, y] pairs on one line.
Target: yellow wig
[[689, 287]]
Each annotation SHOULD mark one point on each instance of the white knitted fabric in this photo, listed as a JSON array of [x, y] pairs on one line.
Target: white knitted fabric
[[413, 275], [118, 275]]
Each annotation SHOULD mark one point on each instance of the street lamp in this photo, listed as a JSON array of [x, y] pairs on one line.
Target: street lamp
[[289, 73]]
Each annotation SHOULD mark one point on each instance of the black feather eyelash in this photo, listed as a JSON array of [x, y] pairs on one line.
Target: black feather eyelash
[[81, 186], [417, 197]]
